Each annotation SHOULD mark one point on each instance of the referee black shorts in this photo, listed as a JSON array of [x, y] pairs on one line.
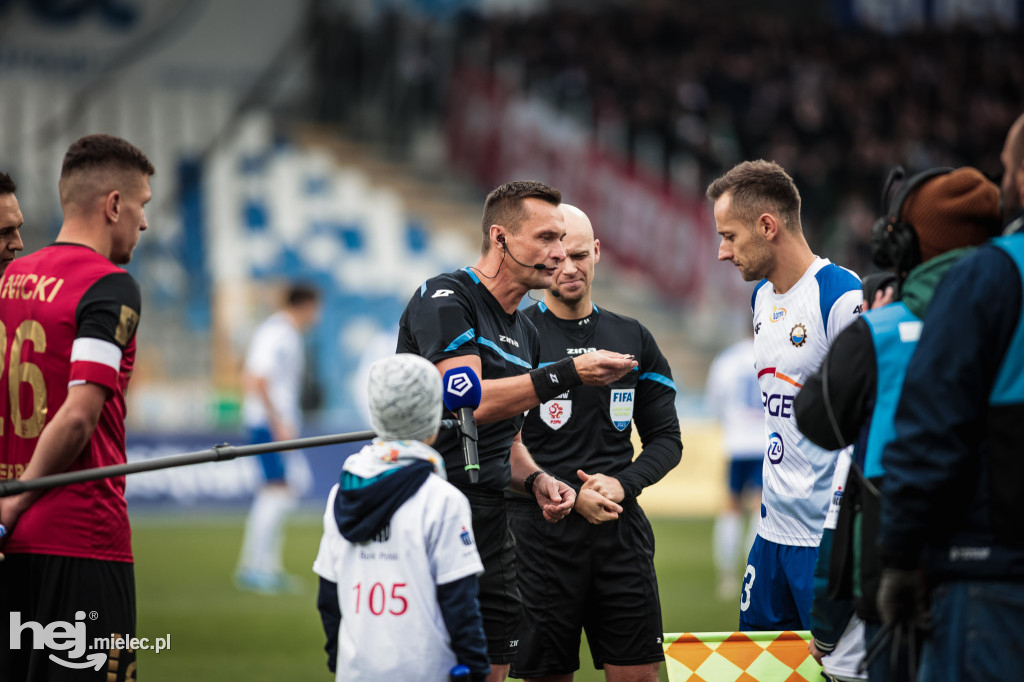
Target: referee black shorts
[[577, 576], [500, 603], [96, 601]]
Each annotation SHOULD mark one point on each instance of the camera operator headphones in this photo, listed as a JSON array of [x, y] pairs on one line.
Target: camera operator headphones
[[894, 242]]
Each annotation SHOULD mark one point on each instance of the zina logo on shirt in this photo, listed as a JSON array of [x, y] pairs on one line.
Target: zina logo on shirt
[[620, 407]]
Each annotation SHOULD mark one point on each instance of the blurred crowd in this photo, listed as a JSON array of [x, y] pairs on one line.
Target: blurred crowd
[[689, 92], [835, 108]]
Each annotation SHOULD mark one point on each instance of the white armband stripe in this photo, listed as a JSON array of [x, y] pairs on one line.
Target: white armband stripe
[[96, 350]]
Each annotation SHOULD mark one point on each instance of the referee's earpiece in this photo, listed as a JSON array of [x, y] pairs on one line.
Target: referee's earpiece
[[504, 246]]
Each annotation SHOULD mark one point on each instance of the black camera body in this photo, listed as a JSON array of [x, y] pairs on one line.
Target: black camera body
[[879, 281]]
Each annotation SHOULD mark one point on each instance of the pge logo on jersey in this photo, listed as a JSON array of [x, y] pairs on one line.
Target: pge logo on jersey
[[459, 384], [778, 404]]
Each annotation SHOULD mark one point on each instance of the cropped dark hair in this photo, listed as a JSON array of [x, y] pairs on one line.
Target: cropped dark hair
[[7, 185], [759, 187], [300, 294], [104, 151], [504, 205]]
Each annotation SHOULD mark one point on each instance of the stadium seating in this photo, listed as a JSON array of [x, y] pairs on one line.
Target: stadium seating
[[280, 212]]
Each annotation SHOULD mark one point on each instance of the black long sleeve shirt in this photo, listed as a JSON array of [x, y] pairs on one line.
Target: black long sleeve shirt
[[590, 427]]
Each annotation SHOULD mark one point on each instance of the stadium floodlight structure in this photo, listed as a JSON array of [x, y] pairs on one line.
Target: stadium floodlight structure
[[217, 453]]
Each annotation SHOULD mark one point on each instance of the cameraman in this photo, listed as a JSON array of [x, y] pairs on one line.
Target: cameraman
[[954, 477], [852, 397]]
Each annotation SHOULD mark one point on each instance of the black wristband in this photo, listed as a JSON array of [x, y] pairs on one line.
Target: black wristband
[[555, 379], [528, 481]]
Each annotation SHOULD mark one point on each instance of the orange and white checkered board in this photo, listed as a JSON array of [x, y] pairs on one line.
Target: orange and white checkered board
[[740, 657]]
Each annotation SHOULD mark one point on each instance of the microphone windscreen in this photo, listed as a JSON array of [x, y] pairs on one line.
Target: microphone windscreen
[[461, 388]]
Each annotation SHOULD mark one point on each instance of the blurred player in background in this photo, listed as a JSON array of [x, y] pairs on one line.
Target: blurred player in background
[[470, 318], [595, 569], [271, 412], [11, 221], [398, 564], [800, 305], [68, 316], [735, 399]]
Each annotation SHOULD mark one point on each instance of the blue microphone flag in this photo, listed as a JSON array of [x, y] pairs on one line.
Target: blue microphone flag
[[461, 388]]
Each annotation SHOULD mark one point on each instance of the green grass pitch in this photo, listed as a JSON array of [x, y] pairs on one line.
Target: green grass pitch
[[183, 574]]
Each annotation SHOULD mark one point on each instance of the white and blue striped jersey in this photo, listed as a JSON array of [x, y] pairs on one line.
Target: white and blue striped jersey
[[792, 333]]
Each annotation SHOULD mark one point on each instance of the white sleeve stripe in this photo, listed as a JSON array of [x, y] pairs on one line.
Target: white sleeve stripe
[[96, 350]]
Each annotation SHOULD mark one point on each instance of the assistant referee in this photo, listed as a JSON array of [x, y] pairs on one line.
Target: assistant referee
[[595, 570], [470, 318]]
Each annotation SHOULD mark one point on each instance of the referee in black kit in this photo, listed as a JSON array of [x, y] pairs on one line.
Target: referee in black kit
[[596, 569], [470, 318]]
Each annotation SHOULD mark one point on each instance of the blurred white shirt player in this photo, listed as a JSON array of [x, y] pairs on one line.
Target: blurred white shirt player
[[735, 400], [398, 561], [273, 368], [271, 412]]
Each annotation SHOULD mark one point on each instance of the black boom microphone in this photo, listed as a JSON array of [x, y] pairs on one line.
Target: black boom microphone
[[217, 453]]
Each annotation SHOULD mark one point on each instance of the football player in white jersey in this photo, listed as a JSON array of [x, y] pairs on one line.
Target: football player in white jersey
[[800, 304], [734, 397], [273, 377], [398, 562]]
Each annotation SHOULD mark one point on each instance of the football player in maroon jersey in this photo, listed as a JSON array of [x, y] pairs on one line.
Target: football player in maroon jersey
[[68, 315]]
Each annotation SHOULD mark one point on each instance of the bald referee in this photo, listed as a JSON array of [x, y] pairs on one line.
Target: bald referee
[[470, 318], [595, 570]]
